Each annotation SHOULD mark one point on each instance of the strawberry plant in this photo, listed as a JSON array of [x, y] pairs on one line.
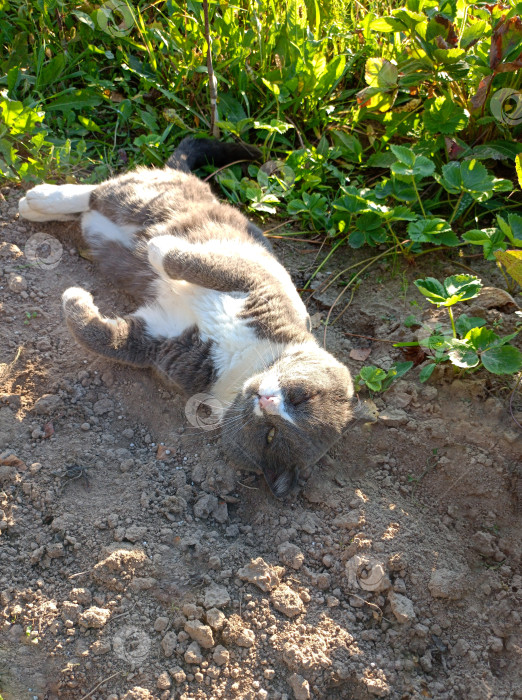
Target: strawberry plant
[[470, 345]]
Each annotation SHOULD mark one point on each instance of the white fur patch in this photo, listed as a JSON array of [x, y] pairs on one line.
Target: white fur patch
[[60, 199], [55, 202], [26, 212], [159, 246], [172, 311], [97, 227], [74, 293]]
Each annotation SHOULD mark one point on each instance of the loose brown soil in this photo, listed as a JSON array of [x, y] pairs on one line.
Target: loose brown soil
[[135, 563]]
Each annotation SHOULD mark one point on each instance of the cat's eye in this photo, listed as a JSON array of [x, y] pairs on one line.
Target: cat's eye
[[270, 435], [299, 397]]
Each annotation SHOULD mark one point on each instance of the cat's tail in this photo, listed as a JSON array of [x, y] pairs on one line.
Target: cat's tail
[[193, 153], [120, 339]]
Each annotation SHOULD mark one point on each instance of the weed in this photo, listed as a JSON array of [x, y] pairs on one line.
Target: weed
[[29, 316], [376, 379]]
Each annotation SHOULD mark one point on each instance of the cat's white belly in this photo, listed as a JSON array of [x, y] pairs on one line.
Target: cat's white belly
[[236, 351]]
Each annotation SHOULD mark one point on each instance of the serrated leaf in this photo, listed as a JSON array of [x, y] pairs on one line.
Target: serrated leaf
[[469, 176], [432, 289], [396, 372], [372, 377], [515, 225], [465, 323], [481, 338], [502, 360], [462, 355], [403, 154], [477, 236], [443, 116], [420, 168], [381, 73], [435, 230], [462, 286], [472, 33]]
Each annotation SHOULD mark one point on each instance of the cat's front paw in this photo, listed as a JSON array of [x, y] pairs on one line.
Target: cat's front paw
[[166, 254], [78, 304]]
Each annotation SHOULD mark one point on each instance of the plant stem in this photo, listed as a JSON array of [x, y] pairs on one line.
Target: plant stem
[[457, 205], [450, 312], [394, 236], [332, 251], [212, 82], [418, 196]]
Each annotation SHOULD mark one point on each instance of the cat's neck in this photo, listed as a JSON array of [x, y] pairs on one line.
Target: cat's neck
[[256, 358]]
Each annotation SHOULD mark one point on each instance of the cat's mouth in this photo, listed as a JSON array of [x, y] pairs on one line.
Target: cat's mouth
[[280, 482]]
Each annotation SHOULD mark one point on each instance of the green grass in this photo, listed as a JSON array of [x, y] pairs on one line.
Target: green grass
[[390, 127]]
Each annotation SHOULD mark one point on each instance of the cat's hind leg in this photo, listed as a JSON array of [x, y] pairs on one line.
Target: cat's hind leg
[[55, 202], [121, 339]]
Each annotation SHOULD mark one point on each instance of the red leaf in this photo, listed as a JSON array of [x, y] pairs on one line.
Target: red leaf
[[48, 430]]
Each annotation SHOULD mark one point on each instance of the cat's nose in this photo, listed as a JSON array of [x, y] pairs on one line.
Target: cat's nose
[[270, 404]]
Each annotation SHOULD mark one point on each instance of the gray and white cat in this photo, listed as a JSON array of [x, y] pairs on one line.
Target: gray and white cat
[[219, 313]]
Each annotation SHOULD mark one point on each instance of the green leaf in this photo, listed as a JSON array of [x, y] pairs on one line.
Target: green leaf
[[502, 360], [462, 355], [89, 124], [275, 126], [85, 18], [76, 99], [455, 288], [443, 116], [478, 236], [398, 370], [432, 289], [465, 323], [356, 239], [482, 338], [410, 165], [19, 119], [472, 33], [515, 225], [462, 286], [386, 25], [351, 147], [380, 73], [403, 154], [469, 176], [436, 231], [426, 372], [373, 377]]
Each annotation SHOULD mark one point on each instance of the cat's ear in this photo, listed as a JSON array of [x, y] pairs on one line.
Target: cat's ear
[[281, 481]]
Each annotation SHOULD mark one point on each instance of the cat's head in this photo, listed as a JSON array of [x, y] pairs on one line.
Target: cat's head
[[287, 417]]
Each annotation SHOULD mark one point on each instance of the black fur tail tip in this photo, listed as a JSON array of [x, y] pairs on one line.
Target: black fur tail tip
[[194, 153]]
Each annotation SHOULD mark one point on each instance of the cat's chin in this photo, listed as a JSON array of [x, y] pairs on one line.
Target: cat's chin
[[281, 483]]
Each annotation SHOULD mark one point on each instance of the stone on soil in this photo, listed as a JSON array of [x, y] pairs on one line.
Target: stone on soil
[[261, 574], [287, 601]]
